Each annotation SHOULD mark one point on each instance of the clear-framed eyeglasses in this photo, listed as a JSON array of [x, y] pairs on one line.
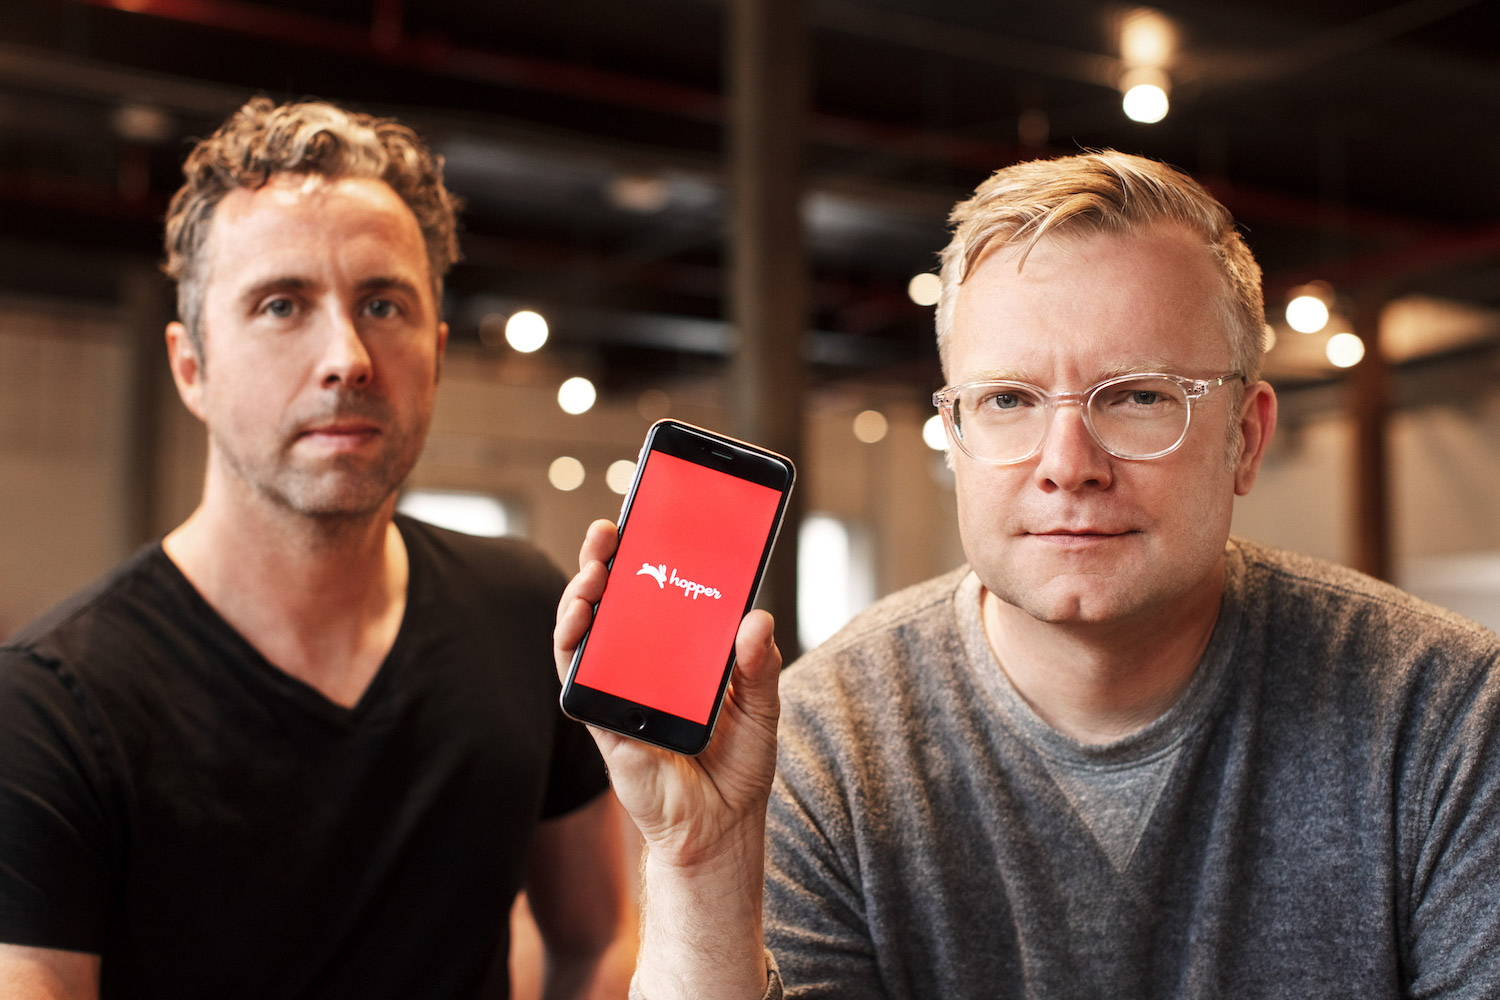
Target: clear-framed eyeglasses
[[1136, 417]]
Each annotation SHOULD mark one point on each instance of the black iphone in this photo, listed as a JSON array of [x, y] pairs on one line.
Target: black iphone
[[696, 532]]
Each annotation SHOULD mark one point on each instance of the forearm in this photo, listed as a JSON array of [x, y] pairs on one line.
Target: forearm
[[701, 928], [44, 974]]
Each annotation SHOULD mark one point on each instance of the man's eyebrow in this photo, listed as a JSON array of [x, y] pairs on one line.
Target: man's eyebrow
[[1108, 372], [380, 283], [280, 283], [999, 375], [294, 283], [1140, 368]]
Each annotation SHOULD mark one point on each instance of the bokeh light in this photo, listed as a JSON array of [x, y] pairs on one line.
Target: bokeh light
[[1345, 350], [620, 475], [576, 395], [526, 331], [933, 433], [1146, 103], [924, 289], [1307, 314], [870, 426], [565, 473]]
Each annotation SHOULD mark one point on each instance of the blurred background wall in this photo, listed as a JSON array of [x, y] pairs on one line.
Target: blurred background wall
[[596, 145], [726, 211]]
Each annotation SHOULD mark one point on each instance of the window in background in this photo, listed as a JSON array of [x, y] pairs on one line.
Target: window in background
[[472, 513], [835, 576], [1468, 583]]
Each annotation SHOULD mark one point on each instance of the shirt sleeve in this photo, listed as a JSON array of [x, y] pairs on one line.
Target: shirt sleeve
[[577, 775], [55, 863], [1452, 927]]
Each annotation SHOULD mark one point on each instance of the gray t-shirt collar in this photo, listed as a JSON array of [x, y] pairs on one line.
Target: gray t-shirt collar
[[1156, 738]]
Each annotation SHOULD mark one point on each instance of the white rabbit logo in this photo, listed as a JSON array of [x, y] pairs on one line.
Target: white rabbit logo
[[689, 588]]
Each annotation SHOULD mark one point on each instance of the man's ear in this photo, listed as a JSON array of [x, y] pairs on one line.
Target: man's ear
[[442, 345], [1257, 424], [187, 367]]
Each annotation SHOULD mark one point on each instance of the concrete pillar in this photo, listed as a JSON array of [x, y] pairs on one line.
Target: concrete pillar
[[768, 293]]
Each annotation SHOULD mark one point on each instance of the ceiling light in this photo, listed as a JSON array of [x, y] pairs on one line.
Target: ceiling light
[[924, 289], [1145, 89], [620, 475], [576, 395], [1147, 44], [1345, 350], [1145, 103], [1147, 38], [933, 433], [1308, 309], [870, 426], [565, 473], [526, 331], [1306, 314]]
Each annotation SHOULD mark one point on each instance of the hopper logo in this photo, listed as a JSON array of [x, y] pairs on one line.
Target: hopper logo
[[689, 588]]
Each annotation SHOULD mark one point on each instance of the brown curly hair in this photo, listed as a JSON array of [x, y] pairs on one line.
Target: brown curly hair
[[309, 137]]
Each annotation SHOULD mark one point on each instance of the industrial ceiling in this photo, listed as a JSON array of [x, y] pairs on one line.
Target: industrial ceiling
[[1357, 143]]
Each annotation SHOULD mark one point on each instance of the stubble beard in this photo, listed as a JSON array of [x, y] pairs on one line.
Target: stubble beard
[[339, 488]]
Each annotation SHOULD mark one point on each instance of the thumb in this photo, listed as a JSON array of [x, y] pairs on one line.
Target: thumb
[[757, 668]]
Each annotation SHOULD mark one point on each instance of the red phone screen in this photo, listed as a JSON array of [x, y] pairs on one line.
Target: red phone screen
[[678, 587]]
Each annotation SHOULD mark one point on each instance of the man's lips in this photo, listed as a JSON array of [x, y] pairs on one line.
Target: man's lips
[[340, 434], [1079, 536]]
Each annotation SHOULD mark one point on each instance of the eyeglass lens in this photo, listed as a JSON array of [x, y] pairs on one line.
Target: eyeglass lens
[[1135, 418]]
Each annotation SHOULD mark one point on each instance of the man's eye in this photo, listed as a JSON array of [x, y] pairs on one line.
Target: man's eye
[[280, 308], [1003, 401], [381, 308]]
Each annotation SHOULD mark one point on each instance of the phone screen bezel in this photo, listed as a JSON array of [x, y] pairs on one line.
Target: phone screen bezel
[[727, 456]]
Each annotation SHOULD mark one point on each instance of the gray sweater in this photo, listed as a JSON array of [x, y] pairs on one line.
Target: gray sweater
[[1318, 816]]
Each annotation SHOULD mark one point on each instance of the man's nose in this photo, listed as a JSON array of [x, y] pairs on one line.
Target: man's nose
[[1070, 458], [346, 359]]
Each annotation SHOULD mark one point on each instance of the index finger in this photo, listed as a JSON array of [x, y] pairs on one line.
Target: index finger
[[599, 543]]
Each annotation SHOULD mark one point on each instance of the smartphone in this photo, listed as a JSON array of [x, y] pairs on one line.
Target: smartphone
[[696, 532]]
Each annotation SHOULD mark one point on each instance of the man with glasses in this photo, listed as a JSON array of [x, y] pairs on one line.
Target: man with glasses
[[1119, 754]]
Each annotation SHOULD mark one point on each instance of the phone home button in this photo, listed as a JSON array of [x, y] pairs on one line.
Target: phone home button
[[635, 720]]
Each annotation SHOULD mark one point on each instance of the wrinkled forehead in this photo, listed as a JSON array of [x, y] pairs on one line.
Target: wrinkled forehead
[[1088, 306], [308, 222]]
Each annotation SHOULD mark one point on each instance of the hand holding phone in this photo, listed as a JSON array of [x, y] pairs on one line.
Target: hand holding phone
[[696, 532], [702, 817]]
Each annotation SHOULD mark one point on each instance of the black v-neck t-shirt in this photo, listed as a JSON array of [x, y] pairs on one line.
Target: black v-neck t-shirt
[[214, 827]]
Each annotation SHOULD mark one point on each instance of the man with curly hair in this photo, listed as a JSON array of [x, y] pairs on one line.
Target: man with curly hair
[[302, 746]]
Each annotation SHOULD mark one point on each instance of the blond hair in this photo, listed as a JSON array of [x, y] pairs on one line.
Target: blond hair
[[1103, 192], [262, 139]]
